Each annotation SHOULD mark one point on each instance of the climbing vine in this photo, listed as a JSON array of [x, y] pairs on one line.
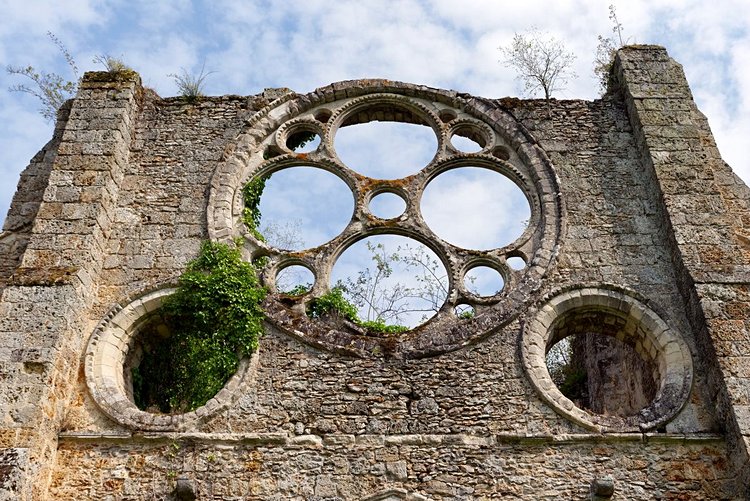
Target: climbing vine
[[213, 319], [251, 193]]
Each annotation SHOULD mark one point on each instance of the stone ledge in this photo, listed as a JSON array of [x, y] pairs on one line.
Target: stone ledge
[[378, 441]]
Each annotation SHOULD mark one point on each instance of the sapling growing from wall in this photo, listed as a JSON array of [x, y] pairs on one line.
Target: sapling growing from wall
[[541, 61], [52, 89]]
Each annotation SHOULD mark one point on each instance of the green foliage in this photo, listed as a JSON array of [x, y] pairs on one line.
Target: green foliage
[[213, 319], [299, 290], [333, 303], [189, 85], [467, 315], [251, 193], [381, 327], [50, 88]]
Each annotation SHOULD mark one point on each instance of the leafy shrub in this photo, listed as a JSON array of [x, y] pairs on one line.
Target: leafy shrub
[[333, 303], [213, 319]]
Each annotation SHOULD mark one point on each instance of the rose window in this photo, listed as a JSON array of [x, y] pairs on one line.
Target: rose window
[[450, 189]]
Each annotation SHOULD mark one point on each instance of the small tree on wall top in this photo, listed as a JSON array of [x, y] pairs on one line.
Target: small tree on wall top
[[542, 62]]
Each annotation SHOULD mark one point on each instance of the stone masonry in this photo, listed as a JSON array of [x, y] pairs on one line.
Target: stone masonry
[[638, 232]]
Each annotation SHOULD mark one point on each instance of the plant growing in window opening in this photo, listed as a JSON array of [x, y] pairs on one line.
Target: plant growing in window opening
[[334, 304], [213, 319]]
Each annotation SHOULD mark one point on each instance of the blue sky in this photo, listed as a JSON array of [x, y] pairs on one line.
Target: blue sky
[[250, 45]]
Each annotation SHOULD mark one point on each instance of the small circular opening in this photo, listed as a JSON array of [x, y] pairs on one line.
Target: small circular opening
[[468, 139], [484, 281], [501, 152], [516, 263], [465, 144], [464, 311], [294, 280], [447, 116], [387, 205], [303, 141], [323, 116]]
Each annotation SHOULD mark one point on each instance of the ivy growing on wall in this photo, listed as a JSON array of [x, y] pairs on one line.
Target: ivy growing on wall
[[213, 319], [251, 193]]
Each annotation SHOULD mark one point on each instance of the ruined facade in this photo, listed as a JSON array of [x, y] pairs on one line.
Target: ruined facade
[[637, 232]]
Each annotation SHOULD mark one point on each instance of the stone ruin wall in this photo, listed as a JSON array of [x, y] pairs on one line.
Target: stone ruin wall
[[647, 226]]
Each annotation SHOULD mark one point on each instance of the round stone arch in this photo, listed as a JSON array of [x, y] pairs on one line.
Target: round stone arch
[[506, 148], [108, 377], [621, 314]]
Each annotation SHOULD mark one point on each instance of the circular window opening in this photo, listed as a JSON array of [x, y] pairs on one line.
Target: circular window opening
[[147, 368], [475, 208], [516, 263], [464, 144], [386, 149], [501, 152], [483, 281], [387, 205], [464, 311], [391, 280], [300, 207], [447, 116], [602, 374], [323, 115], [303, 141], [468, 139], [294, 280], [606, 361], [165, 373]]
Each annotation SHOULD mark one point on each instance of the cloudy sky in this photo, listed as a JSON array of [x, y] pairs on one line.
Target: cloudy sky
[[252, 44], [248, 45]]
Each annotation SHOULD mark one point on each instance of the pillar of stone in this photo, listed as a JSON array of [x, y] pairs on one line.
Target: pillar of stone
[[50, 279], [705, 207]]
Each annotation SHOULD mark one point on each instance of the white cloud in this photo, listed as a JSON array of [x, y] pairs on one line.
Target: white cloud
[[256, 44]]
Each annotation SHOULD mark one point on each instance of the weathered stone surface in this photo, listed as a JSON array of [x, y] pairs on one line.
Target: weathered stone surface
[[634, 217]]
